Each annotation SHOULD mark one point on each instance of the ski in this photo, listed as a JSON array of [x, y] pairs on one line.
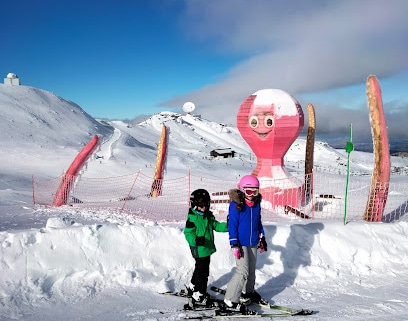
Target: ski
[[198, 309], [221, 315], [181, 293], [190, 306], [265, 304]]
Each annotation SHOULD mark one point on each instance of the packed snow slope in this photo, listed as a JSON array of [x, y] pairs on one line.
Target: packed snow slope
[[67, 264]]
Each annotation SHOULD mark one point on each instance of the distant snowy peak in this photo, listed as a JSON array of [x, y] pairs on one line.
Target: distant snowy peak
[[37, 116], [167, 117], [190, 131], [160, 119]]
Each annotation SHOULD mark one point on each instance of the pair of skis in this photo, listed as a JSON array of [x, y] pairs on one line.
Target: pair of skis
[[263, 303], [279, 311]]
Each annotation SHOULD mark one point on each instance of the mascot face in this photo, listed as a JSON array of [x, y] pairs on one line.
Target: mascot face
[[261, 121], [270, 120]]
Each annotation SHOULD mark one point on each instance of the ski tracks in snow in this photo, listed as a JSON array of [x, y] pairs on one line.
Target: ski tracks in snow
[[106, 148]]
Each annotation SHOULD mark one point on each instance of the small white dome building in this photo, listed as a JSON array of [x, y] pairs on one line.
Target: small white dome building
[[12, 79], [188, 107]]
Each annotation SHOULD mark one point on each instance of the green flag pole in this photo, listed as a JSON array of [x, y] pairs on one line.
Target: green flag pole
[[349, 149]]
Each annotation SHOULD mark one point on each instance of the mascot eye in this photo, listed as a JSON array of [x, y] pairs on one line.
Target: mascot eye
[[253, 121], [268, 121]]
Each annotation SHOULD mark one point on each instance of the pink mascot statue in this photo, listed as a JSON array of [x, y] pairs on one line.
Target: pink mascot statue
[[270, 120]]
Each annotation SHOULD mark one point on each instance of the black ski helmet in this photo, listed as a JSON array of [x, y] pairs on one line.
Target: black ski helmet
[[200, 198]]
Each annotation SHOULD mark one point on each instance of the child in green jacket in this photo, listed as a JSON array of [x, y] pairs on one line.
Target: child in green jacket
[[199, 233]]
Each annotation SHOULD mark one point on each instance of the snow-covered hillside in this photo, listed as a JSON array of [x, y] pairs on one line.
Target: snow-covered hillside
[[50, 123], [35, 116]]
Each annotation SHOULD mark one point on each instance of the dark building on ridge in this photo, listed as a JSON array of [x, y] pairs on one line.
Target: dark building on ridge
[[224, 152]]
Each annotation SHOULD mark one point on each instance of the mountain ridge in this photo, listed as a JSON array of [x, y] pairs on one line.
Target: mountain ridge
[[48, 121]]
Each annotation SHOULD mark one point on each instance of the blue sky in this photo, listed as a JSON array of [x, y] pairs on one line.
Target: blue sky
[[125, 59]]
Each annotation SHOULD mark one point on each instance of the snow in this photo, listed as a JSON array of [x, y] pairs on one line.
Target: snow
[[285, 103], [68, 264]]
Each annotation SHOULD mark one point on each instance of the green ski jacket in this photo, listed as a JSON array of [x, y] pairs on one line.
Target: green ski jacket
[[202, 225]]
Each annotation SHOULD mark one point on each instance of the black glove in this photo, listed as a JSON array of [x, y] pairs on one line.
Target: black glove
[[263, 247], [200, 240]]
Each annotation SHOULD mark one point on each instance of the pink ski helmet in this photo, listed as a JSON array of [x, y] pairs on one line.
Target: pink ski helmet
[[248, 181]]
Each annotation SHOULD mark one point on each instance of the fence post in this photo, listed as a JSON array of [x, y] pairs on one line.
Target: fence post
[[349, 149]]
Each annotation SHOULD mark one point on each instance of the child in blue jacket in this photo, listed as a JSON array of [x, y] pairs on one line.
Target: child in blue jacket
[[246, 235]]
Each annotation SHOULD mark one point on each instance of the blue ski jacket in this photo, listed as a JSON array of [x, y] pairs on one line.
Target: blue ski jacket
[[244, 226]]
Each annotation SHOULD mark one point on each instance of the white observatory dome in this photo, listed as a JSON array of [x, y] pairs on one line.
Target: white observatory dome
[[188, 107], [10, 75]]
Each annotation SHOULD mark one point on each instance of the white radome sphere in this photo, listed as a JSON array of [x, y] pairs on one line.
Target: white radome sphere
[[10, 75], [188, 107]]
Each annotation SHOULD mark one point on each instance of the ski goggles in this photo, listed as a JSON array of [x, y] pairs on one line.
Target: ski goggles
[[251, 191]]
